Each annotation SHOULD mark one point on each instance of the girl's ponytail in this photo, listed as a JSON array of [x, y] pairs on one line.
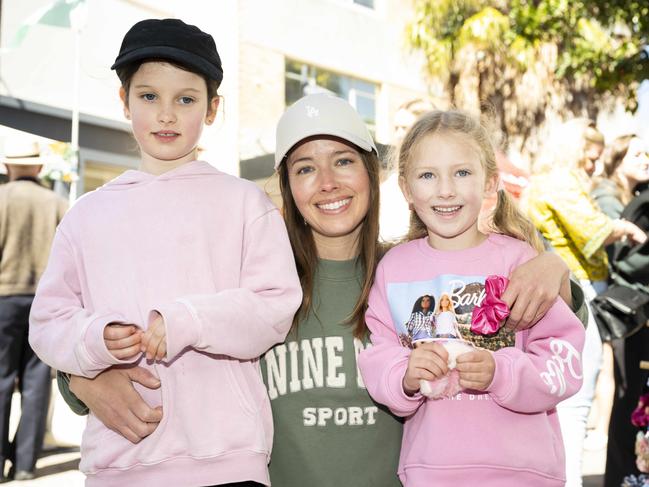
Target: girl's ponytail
[[507, 219]]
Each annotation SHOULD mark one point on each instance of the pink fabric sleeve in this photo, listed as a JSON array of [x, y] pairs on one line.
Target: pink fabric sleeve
[[548, 371], [61, 332], [384, 363], [246, 321]]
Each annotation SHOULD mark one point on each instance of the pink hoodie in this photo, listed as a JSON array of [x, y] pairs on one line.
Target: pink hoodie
[[210, 253], [508, 436]]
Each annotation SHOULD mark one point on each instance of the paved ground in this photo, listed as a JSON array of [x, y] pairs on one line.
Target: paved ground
[[59, 469], [58, 466]]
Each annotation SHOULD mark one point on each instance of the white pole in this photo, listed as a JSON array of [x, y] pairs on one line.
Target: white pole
[[78, 18], [74, 138]]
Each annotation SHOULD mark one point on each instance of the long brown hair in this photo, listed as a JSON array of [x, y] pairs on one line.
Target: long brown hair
[[611, 160], [506, 218], [306, 254]]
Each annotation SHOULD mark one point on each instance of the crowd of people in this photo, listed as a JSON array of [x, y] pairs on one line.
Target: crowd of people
[[214, 339]]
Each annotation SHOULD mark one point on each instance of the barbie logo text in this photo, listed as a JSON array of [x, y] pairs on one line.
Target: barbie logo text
[[460, 298], [564, 358]]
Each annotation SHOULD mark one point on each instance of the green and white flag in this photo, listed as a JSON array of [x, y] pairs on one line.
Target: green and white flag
[[57, 13]]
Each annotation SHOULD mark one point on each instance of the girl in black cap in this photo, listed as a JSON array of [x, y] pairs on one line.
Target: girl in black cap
[[178, 268]]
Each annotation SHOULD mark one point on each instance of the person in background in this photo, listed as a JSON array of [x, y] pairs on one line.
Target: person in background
[[611, 192], [593, 148], [559, 203], [621, 192], [394, 214], [29, 215], [625, 166]]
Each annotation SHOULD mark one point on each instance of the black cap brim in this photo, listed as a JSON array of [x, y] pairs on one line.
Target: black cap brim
[[166, 52]]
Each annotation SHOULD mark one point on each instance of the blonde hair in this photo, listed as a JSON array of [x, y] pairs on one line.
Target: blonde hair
[[438, 308], [591, 134], [565, 147], [506, 218]]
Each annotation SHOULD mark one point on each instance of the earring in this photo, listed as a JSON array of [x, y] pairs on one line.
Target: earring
[[305, 222]]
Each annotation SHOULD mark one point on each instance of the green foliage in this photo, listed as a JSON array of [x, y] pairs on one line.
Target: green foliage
[[599, 43]]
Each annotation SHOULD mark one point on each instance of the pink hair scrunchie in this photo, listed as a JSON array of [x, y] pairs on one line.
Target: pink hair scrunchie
[[488, 317]]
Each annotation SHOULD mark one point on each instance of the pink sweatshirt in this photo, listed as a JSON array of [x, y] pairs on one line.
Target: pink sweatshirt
[[210, 253], [507, 436]]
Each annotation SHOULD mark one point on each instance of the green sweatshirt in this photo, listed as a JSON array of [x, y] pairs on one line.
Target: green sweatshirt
[[328, 431]]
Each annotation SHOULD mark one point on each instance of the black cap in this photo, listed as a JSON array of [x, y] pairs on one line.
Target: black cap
[[174, 40]]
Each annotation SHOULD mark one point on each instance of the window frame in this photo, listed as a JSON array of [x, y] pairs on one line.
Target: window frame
[[309, 74]]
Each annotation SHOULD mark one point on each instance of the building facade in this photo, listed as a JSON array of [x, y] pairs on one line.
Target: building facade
[[273, 52]]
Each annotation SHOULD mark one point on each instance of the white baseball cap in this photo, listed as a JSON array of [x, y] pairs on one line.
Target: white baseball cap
[[320, 114]]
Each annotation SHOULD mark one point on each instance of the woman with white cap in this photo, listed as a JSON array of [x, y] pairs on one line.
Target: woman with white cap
[[328, 431]]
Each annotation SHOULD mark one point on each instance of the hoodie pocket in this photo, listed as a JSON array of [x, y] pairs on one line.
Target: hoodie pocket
[[241, 384], [209, 407]]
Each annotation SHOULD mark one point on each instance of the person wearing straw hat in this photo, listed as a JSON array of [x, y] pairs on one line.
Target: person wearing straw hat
[[29, 214]]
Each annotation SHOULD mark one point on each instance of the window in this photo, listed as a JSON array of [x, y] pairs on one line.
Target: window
[[96, 174], [304, 79]]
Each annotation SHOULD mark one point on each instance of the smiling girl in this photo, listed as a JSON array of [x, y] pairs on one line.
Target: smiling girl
[[178, 268], [513, 383]]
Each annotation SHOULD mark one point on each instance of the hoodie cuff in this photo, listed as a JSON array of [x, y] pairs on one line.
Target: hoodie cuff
[[501, 384], [181, 324], [94, 356], [402, 401]]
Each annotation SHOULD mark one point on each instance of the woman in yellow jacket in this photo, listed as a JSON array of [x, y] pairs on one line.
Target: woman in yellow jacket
[[558, 202]]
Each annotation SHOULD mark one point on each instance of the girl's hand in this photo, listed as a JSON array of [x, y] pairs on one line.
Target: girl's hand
[[122, 340], [476, 369], [533, 287], [427, 361], [154, 340]]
